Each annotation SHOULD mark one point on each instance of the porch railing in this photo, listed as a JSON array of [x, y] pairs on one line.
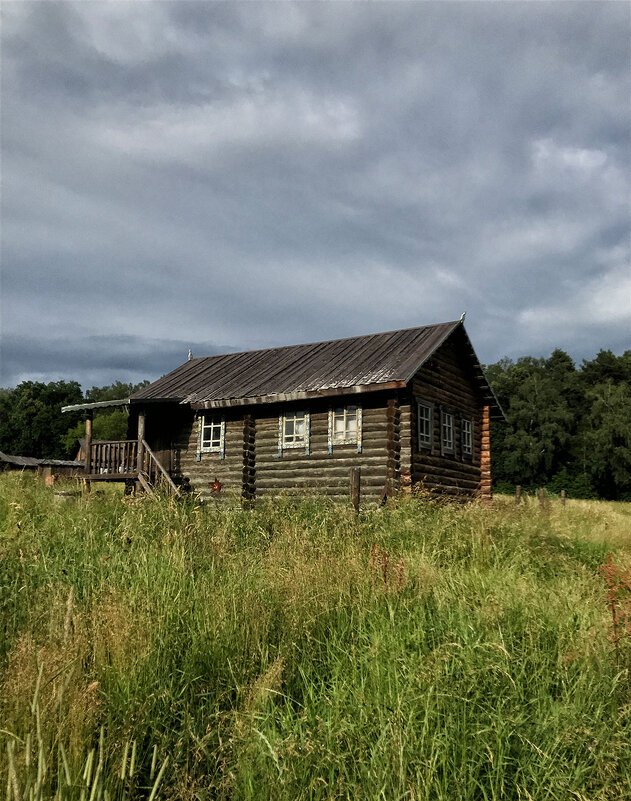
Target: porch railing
[[120, 458], [108, 458]]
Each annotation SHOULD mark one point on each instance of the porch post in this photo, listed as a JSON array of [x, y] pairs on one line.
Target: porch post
[[88, 447], [141, 436]]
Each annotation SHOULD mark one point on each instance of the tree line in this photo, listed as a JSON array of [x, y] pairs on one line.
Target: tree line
[[32, 424], [567, 427]]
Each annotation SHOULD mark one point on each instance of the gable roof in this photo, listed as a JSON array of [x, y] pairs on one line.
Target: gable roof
[[320, 369]]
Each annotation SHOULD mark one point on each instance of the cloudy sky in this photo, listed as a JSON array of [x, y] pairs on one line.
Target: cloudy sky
[[227, 176]]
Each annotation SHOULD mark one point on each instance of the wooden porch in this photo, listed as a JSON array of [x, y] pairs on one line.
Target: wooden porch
[[127, 460]]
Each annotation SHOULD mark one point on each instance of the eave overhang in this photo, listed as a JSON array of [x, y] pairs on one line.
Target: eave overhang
[[288, 397]]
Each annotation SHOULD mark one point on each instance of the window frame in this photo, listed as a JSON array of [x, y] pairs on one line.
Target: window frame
[[424, 446], [466, 454], [283, 417], [211, 421], [346, 440], [447, 450]]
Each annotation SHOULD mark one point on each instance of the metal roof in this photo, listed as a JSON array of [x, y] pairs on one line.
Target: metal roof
[[31, 461], [319, 369], [77, 407]]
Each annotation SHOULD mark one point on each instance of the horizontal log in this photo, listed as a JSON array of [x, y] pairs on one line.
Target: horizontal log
[[442, 393], [326, 492], [447, 481], [340, 453], [316, 475], [322, 480], [441, 462], [443, 489]]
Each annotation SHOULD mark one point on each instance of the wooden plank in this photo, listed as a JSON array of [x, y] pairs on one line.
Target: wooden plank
[[355, 488]]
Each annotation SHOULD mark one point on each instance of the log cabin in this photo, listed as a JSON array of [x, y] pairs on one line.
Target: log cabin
[[409, 407]]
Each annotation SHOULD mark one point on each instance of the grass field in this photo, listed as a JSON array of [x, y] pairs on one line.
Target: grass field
[[297, 651]]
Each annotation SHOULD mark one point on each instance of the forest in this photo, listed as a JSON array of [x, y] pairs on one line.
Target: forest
[[567, 426]]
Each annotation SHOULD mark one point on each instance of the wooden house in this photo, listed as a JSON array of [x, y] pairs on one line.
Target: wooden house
[[407, 407]]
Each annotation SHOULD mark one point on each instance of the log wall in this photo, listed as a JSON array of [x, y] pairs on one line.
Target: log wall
[[445, 381], [211, 468], [319, 471], [253, 467]]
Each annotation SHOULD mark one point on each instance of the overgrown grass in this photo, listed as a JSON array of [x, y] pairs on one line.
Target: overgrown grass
[[296, 651]]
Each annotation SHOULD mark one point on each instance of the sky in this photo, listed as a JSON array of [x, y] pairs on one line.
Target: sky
[[231, 176]]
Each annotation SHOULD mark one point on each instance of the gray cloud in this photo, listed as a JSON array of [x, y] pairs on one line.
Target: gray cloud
[[242, 175]]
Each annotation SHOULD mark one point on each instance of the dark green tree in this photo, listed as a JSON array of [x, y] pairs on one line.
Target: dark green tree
[[109, 424], [31, 422], [566, 428], [607, 438]]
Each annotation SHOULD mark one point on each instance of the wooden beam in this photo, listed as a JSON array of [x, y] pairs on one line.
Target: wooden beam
[[355, 477], [284, 397], [141, 438], [88, 449]]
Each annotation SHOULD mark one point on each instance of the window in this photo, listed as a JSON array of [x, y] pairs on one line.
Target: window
[[293, 431], [447, 431], [467, 437], [345, 427], [212, 435], [425, 425]]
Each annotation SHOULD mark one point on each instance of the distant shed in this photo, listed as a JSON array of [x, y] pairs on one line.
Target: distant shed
[[56, 467]]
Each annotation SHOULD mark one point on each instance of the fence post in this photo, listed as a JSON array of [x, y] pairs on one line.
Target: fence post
[[88, 448], [518, 493], [355, 477], [563, 497], [542, 497]]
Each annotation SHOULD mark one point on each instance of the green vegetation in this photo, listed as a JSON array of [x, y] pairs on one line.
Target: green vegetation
[[296, 651], [31, 422], [568, 428]]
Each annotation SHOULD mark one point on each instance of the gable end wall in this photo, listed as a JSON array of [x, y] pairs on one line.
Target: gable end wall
[[446, 380]]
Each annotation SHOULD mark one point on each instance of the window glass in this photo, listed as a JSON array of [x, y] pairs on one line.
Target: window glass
[[448, 432], [345, 424], [212, 433], [425, 415], [293, 429], [467, 437]]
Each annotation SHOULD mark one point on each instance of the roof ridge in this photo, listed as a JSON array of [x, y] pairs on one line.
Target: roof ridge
[[323, 341]]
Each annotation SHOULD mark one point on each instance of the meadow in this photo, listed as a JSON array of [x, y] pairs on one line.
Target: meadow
[[425, 651]]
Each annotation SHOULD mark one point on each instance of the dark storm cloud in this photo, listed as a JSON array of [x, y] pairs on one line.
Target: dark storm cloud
[[227, 176]]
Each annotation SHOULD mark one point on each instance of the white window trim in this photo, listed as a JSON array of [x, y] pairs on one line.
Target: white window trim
[[444, 449], [285, 446], [466, 454], [428, 405], [355, 440], [202, 423]]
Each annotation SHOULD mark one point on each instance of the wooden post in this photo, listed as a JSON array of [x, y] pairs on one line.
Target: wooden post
[[141, 435], [88, 448], [542, 497], [355, 486], [518, 493], [563, 497]]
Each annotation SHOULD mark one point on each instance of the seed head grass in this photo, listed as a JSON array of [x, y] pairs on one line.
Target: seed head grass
[[153, 648]]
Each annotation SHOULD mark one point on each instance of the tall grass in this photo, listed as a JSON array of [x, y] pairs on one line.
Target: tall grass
[[298, 651]]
